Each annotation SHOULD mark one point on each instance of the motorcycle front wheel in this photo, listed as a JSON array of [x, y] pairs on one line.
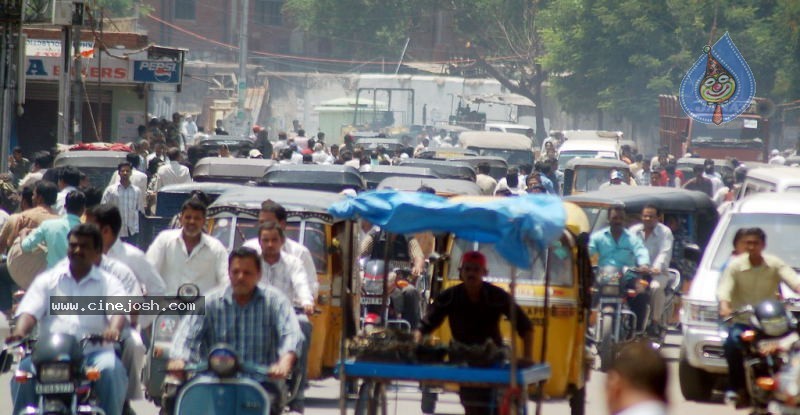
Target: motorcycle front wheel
[[606, 347]]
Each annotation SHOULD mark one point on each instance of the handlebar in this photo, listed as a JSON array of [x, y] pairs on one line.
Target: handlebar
[[748, 309]]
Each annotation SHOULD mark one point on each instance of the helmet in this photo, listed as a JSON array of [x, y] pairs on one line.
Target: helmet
[[772, 318]]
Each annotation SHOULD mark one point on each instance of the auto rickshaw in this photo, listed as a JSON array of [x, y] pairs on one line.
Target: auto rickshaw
[[230, 170], [565, 271], [375, 174], [446, 153], [372, 143], [515, 149], [685, 165], [328, 178], [498, 167], [99, 165], [443, 187], [587, 174], [233, 219], [239, 146], [691, 215], [444, 169]]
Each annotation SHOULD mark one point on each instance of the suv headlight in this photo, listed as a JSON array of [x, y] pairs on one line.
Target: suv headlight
[[54, 372], [700, 312]]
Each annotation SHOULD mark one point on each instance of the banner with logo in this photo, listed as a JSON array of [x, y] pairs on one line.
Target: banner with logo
[[157, 72], [52, 48]]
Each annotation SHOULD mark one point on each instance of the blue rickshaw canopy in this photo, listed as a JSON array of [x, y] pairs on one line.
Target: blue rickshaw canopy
[[511, 223]]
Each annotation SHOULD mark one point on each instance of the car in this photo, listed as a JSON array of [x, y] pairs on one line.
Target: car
[[99, 165], [230, 170], [507, 127], [771, 179], [702, 365]]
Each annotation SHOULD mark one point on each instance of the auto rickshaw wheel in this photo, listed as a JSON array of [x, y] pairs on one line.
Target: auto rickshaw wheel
[[371, 399], [577, 401], [428, 403]]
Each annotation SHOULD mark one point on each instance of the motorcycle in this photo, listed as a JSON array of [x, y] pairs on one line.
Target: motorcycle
[[162, 332], [615, 323], [221, 386], [771, 354], [62, 384], [372, 290]]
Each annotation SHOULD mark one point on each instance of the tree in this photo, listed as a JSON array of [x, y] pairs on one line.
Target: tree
[[509, 30]]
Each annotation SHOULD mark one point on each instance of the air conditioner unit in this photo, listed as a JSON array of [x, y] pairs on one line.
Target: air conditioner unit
[[37, 11], [68, 13]]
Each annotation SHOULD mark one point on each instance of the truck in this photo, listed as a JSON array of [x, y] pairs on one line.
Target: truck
[[745, 138]]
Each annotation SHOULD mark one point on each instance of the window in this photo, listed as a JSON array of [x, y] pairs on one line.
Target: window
[[185, 9], [269, 12]]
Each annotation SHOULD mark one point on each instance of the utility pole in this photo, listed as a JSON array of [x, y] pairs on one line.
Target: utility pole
[[243, 56], [64, 86], [77, 89], [10, 47]]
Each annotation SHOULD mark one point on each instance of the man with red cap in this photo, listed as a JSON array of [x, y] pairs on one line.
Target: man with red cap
[[473, 309]]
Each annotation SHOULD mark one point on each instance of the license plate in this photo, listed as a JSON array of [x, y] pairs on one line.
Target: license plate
[[371, 300], [783, 343], [51, 388]]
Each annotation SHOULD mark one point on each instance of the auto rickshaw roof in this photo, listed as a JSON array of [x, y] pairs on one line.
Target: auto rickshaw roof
[[330, 178], [446, 153], [246, 199], [443, 187], [634, 198], [699, 161], [89, 158], [375, 174], [597, 162], [444, 168], [372, 143], [246, 168], [494, 139], [207, 187]]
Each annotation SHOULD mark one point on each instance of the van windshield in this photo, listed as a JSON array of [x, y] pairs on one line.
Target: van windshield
[[512, 157], [781, 232]]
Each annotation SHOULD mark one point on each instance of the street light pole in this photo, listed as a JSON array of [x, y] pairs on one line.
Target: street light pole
[[243, 58]]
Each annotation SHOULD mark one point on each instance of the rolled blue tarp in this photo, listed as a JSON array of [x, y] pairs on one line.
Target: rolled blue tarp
[[510, 223]]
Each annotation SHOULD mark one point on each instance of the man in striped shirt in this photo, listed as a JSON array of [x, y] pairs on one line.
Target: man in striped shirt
[[257, 321], [128, 199]]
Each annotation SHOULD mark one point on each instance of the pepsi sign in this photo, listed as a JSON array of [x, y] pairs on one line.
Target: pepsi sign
[[157, 72]]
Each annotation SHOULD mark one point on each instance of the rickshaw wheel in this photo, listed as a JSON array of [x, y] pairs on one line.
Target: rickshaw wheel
[[428, 403], [371, 398], [577, 401]]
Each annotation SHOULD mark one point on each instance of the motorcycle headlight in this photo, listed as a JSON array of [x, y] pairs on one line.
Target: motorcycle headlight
[[222, 362], [54, 373], [188, 292], [609, 290], [775, 326]]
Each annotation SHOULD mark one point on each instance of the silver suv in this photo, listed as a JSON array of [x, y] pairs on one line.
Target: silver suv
[[702, 362]]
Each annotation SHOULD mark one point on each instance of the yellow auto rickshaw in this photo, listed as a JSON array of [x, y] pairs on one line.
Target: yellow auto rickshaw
[[565, 272], [233, 219]]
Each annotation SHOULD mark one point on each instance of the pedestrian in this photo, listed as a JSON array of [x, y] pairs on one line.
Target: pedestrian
[[69, 179], [220, 129], [42, 160], [486, 182], [18, 166], [128, 199], [637, 382], [699, 182], [172, 173], [138, 178], [53, 232], [263, 144]]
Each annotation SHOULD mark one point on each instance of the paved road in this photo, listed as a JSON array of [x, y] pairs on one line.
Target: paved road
[[404, 399]]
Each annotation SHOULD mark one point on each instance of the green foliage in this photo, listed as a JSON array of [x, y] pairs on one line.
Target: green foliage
[[358, 28]]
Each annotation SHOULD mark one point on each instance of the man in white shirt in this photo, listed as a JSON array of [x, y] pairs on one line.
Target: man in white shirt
[[127, 198], [78, 277], [172, 172], [658, 240], [69, 178], [285, 272], [274, 212], [320, 156], [138, 178], [711, 174], [187, 255], [637, 382]]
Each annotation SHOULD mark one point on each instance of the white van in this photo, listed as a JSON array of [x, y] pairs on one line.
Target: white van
[[507, 128], [770, 180], [575, 149], [702, 364]]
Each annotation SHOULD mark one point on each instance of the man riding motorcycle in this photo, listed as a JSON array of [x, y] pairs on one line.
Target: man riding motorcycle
[[748, 279], [257, 321], [657, 238], [79, 277], [618, 247]]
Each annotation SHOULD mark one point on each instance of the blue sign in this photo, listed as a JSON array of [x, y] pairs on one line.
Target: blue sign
[[719, 86], [157, 72]]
